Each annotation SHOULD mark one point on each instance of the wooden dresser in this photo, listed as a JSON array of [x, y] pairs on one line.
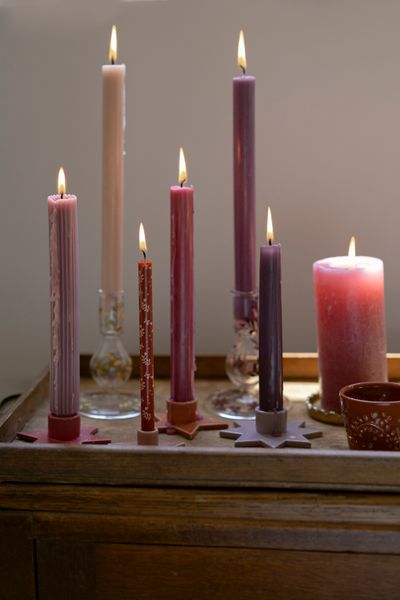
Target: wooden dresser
[[205, 521]]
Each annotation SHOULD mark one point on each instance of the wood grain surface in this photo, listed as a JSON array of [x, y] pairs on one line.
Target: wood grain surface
[[207, 520], [17, 562], [173, 573], [297, 366], [207, 460]]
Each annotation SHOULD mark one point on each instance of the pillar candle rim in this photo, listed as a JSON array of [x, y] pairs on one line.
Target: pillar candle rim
[[344, 263]]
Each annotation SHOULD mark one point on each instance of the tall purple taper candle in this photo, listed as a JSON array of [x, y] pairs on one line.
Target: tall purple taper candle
[[270, 324], [244, 185], [182, 292], [64, 307]]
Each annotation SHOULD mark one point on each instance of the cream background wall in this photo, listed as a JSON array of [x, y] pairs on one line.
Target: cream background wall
[[328, 150]]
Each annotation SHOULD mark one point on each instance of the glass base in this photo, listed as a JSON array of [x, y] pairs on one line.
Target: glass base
[[109, 405], [233, 403]]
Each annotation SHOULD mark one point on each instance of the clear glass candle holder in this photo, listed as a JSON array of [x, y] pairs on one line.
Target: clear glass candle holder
[[241, 363], [110, 365]]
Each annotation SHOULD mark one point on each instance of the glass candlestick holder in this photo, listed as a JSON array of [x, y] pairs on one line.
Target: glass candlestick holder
[[110, 366], [241, 364]]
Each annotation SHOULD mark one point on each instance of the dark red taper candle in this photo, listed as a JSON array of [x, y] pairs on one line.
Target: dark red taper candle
[[182, 290], [145, 274]]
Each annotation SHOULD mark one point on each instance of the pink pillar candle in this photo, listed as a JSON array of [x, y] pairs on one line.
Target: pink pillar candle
[[349, 296], [182, 290], [64, 306], [113, 76], [244, 185]]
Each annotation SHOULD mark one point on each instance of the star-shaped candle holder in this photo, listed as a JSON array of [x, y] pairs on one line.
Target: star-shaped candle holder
[[271, 430], [64, 430], [183, 419]]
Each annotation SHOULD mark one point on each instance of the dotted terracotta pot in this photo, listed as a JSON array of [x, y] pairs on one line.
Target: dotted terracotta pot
[[371, 413]]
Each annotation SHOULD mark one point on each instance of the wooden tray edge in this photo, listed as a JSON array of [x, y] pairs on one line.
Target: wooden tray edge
[[198, 467]]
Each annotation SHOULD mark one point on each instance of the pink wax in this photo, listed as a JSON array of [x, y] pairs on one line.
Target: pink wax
[[244, 191], [182, 296], [64, 305], [349, 296]]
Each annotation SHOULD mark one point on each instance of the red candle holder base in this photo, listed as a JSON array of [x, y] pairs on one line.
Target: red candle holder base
[[183, 419], [63, 430], [147, 438], [271, 430]]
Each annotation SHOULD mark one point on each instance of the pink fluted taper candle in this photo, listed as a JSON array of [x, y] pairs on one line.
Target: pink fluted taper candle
[[64, 304], [113, 76], [244, 186], [349, 297], [182, 289]]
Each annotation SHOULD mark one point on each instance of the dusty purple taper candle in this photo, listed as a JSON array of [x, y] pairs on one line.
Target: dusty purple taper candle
[[64, 307], [182, 284], [270, 324], [244, 185]]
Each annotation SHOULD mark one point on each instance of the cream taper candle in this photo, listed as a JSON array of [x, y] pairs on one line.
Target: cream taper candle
[[113, 170]]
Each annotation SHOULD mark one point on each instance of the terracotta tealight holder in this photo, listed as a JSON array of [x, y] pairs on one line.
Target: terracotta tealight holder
[[371, 413], [182, 418], [271, 430]]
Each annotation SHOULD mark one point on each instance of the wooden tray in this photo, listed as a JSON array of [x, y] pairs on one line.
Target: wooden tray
[[208, 460]]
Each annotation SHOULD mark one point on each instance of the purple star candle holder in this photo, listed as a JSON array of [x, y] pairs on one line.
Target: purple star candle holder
[[271, 430]]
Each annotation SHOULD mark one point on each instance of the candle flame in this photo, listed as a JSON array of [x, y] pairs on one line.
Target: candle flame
[[270, 228], [112, 53], [142, 239], [182, 167], [242, 52], [352, 247], [61, 182]]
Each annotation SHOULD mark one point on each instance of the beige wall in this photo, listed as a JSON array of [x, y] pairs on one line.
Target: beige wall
[[328, 149]]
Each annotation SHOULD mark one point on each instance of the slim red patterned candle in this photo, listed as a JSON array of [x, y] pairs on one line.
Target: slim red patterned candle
[[147, 435]]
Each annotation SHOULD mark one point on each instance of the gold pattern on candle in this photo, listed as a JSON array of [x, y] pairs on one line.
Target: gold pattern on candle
[[112, 53], [242, 62], [182, 167]]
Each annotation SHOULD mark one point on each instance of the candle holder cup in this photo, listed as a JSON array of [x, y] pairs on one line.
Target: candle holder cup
[[241, 364], [110, 366], [371, 413]]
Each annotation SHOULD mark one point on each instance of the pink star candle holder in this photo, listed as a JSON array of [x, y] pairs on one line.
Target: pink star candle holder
[[182, 418]]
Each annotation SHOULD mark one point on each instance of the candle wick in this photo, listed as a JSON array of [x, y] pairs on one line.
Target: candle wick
[[243, 69], [270, 242], [112, 60], [182, 182], [62, 195], [144, 254]]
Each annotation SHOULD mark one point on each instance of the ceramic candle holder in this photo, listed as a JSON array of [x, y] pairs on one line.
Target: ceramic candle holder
[[371, 413]]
